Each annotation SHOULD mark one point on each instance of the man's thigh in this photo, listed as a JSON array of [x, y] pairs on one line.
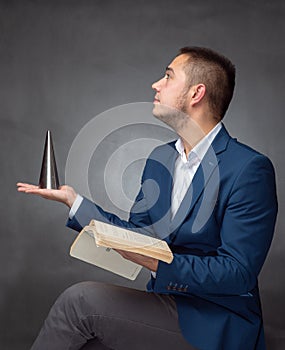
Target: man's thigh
[[123, 318]]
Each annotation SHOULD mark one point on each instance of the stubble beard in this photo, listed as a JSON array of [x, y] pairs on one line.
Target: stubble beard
[[176, 117]]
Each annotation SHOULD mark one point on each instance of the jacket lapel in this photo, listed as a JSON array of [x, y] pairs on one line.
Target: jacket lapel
[[205, 181], [164, 169]]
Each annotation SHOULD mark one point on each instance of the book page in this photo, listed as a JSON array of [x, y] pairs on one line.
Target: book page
[[126, 236], [107, 235]]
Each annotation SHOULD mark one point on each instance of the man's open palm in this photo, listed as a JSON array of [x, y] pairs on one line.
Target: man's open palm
[[64, 194]]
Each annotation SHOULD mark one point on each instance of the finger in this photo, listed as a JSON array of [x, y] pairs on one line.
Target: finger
[[32, 191], [41, 191], [26, 185], [65, 188], [24, 189]]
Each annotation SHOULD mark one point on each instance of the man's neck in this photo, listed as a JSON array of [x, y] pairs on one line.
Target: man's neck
[[191, 138]]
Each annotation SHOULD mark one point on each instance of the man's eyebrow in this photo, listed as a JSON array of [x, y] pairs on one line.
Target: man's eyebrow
[[169, 68]]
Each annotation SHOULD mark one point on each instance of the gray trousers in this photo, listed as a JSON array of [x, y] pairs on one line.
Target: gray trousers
[[99, 316]]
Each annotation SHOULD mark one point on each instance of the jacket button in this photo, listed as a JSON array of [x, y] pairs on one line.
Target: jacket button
[[184, 289]]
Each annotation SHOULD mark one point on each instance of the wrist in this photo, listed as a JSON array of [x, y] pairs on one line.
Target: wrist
[[71, 199]]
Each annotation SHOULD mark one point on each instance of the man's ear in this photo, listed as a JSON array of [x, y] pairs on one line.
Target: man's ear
[[197, 92]]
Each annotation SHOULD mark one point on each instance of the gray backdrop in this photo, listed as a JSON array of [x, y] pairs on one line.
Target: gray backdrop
[[62, 63]]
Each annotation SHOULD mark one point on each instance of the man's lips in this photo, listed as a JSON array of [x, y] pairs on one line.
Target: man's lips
[[156, 100]]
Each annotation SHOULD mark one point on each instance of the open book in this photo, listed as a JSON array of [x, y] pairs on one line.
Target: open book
[[94, 243]]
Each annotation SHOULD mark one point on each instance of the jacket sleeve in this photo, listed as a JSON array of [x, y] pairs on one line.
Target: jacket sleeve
[[246, 232], [138, 220]]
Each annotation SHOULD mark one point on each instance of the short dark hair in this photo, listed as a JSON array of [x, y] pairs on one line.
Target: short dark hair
[[215, 71]]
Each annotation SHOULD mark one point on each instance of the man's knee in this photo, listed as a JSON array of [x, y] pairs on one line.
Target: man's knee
[[79, 297]]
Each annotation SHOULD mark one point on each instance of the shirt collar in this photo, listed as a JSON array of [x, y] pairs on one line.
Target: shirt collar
[[202, 146]]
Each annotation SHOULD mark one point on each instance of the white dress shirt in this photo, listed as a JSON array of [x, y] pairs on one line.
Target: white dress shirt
[[75, 206], [186, 167]]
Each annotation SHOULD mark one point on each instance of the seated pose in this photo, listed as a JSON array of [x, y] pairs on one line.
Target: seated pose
[[216, 209]]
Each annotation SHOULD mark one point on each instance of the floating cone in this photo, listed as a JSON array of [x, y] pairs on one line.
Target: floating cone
[[49, 176]]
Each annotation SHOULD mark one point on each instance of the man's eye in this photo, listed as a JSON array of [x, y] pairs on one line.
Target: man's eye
[[167, 76]]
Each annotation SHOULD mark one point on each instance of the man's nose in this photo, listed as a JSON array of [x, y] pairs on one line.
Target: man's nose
[[156, 85]]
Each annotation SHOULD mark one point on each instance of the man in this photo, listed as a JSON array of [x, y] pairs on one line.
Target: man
[[216, 209]]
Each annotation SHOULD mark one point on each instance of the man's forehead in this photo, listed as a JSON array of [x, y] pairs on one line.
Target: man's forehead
[[178, 62]]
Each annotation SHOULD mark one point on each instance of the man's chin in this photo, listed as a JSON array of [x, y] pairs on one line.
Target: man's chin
[[170, 116], [164, 117], [162, 112], [158, 112]]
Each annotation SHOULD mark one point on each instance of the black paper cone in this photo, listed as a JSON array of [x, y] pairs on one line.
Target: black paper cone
[[49, 176]]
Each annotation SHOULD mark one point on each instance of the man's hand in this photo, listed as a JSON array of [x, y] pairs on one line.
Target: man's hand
[[145, 261], [64, 194]]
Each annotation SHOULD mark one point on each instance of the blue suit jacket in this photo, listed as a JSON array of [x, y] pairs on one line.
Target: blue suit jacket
[[220, 237]]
